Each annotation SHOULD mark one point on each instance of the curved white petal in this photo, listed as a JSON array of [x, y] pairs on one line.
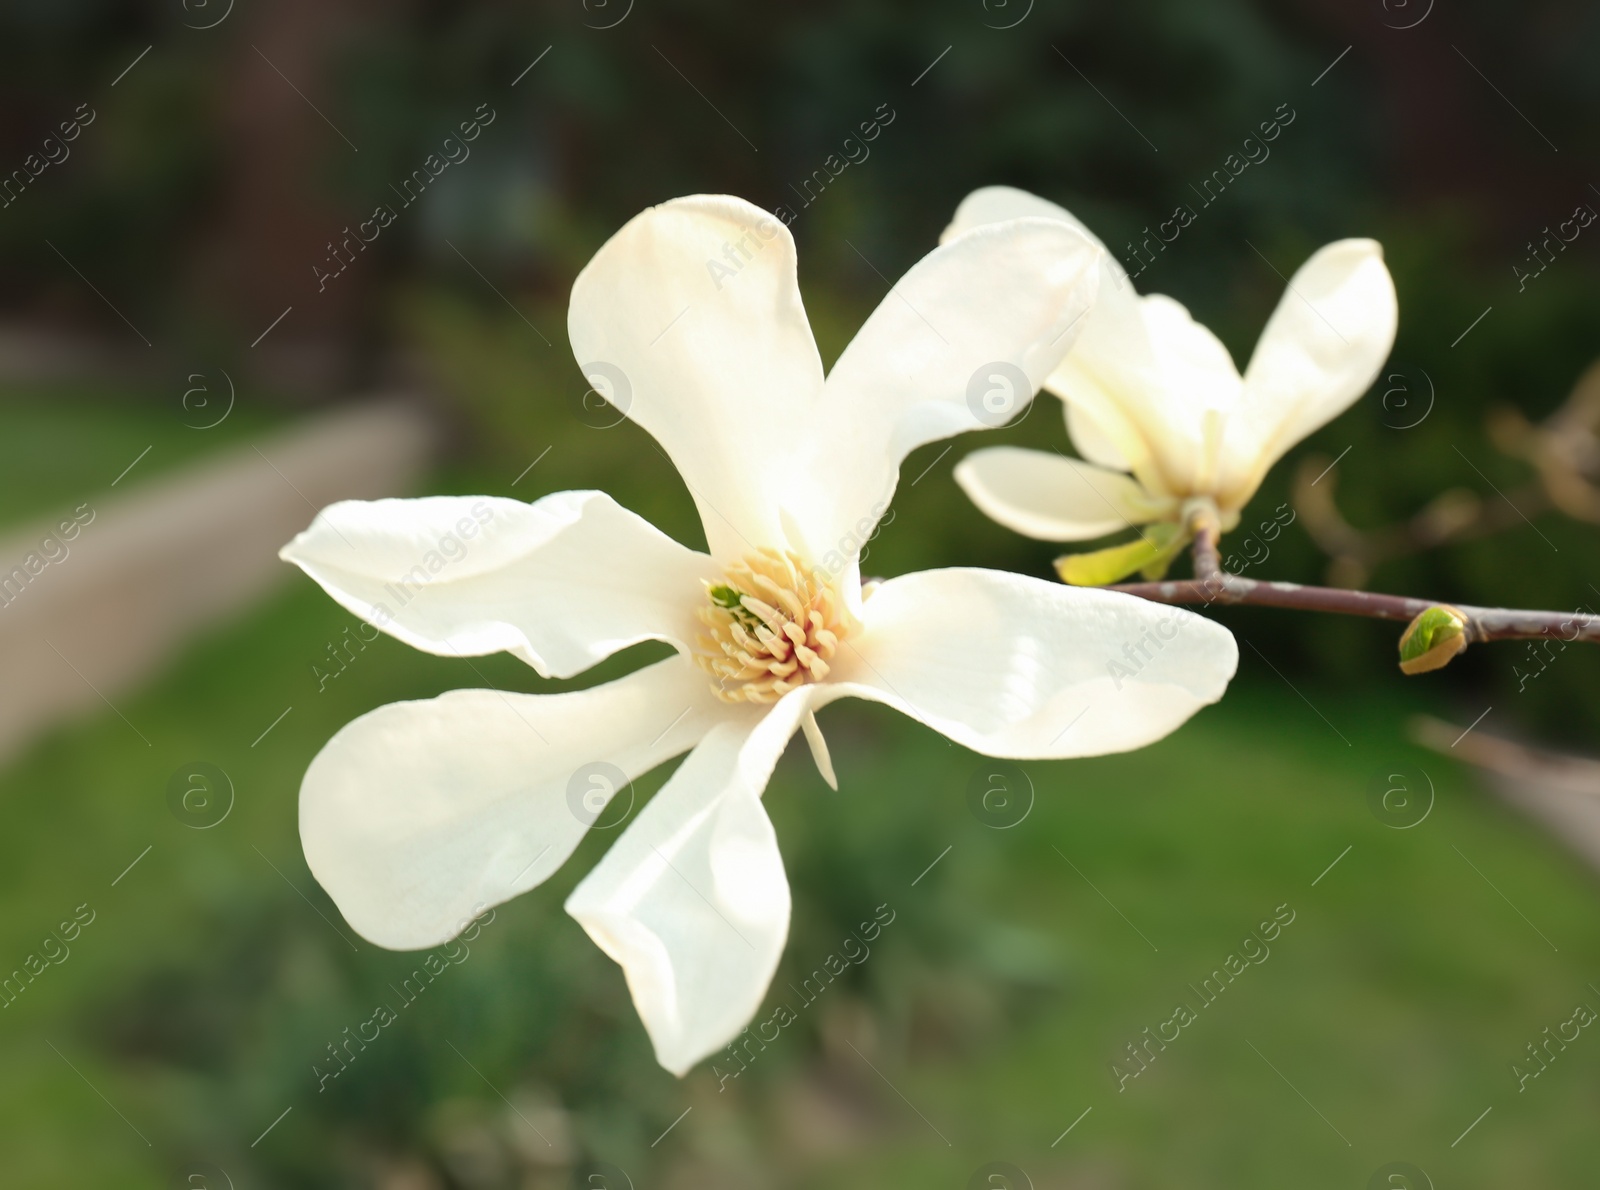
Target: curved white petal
[[1106, 386], [1322, 348], [690, 319], [1014, 666], [419, 815], [1096, 444], [1109, 365], [996, 204], [1199, 388], [692, 901], [1154, 386], [962, 342], [1050, 497], [562, 582], [1199, 372]]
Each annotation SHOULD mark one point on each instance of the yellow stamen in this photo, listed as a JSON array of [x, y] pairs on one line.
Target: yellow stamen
[[773, 626]]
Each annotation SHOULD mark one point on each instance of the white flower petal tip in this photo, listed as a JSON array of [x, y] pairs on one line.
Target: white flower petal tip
[[1052, 498], [690, 320], [692, 901], [1320, 351], [419, 815], [997, 204], [1022, 668], [562, 583]]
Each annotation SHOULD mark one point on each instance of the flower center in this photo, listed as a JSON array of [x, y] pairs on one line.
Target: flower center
[[773, 626]]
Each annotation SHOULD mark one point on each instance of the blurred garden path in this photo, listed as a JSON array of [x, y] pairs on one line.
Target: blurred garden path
[[93, 606]]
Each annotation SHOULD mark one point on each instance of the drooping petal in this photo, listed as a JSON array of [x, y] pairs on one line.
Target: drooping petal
[[1321, 349], [562, 582], [1014, 666], [1050, 497], [690, 318], [419, 815], [692, 901], [961, 342]]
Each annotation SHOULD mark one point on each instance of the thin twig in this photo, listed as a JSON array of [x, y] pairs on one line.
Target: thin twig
[[1207, 532], [1482, 623]]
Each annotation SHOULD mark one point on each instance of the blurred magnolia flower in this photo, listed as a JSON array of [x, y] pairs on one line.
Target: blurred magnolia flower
[[418, 815], [1154, 403]]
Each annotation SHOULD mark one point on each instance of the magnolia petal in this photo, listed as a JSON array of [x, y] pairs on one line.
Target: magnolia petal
[[962, 342], [1014, 666], [1106, 376], [419, 815], [689, 319], [1321, 349], [561, 583], [692, 901], [1149, 380], [997, 204], [1101, 386], [1094, 443], [1050, 497]]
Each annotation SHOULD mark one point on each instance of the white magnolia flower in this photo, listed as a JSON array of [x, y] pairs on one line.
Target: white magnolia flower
[[1151, 392], [419, 814]]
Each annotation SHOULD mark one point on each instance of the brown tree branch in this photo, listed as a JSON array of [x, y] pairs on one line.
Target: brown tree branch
[[1482, 623], [1207, 558]]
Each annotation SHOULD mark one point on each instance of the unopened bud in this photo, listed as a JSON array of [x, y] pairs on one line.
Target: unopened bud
[[1432, 639]]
